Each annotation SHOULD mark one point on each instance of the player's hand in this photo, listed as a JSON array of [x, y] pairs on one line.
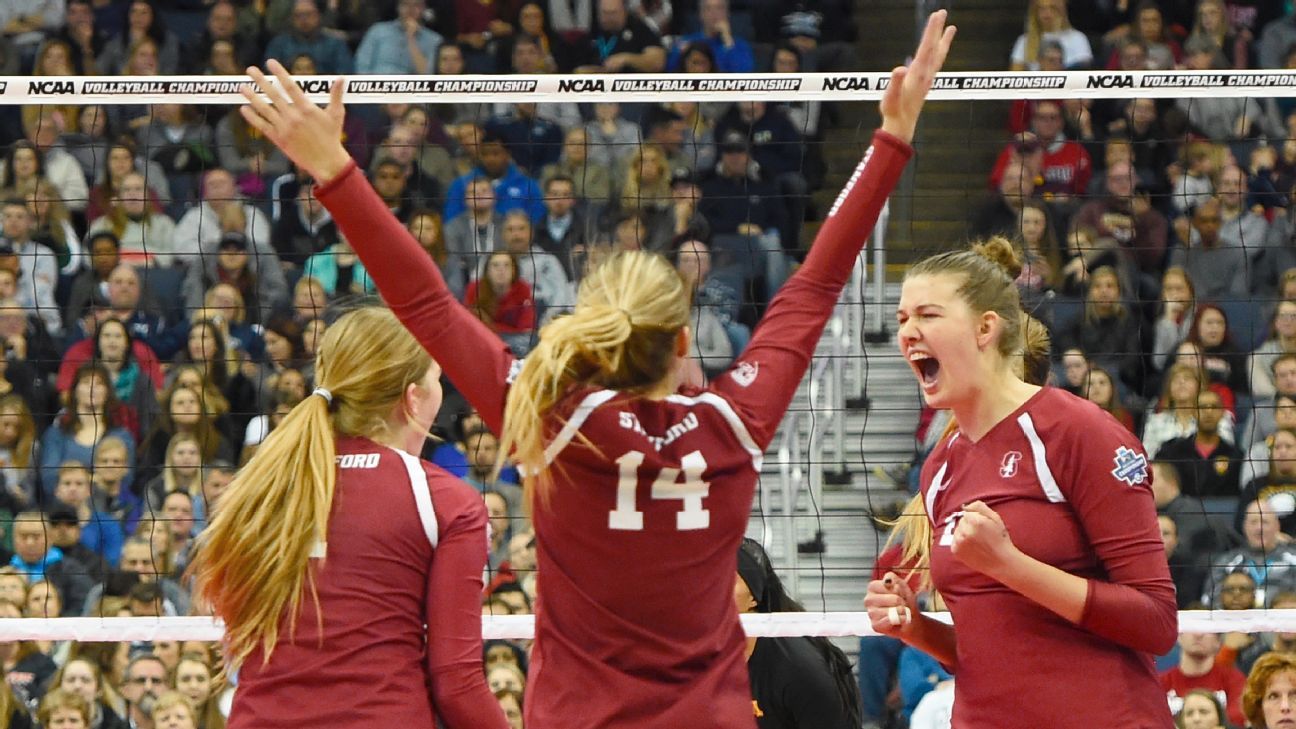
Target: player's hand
[[981, 540], [904, 98], [892, 606], [309, 135]]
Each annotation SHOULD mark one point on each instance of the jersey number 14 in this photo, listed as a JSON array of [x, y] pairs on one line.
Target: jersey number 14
[[667, 485]]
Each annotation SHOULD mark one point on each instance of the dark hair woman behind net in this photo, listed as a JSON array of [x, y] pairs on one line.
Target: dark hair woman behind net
[[796, 681]]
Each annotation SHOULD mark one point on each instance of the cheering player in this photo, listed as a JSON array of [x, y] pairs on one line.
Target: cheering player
[[334, 547], [1047, 549], [640, 487]]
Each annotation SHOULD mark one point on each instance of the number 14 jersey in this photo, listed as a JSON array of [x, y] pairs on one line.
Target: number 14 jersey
[[676, 478]]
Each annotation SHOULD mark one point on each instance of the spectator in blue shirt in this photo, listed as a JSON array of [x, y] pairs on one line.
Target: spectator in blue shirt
[[513, 189], [330, 54], [732, 54], [400, 46]]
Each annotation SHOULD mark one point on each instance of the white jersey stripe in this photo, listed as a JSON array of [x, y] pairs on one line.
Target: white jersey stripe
[[1047, 482], [938, 483], [595, 399], [422, 498], [574, 423]]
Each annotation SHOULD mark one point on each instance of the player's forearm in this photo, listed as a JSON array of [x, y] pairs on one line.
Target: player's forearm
[[1141, 615], [411, 284], [388, 251], [851, 219], [1050, 587], [1141, 619]]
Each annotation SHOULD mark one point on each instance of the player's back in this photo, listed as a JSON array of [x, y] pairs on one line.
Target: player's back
[[637, 546], [368, 667]]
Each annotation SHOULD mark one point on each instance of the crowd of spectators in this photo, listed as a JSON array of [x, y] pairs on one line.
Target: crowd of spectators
[[166, 274], [1159, 249]]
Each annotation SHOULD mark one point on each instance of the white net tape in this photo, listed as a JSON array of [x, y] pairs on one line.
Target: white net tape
[[656, 88], [522, 627]]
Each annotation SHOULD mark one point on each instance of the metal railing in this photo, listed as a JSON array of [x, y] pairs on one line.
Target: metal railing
[[831, 378]]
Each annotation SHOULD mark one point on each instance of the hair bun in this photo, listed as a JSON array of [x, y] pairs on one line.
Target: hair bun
[[999, 251]]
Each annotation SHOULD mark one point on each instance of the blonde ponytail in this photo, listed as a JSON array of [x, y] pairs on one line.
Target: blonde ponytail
[[251, 564], [621, 336]]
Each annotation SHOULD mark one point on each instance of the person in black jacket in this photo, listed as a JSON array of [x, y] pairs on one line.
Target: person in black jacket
[[796, 681], [1208, 465]]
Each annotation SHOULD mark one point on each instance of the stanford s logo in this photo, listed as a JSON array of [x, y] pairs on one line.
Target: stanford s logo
[[1008, 468], [1131, 466]]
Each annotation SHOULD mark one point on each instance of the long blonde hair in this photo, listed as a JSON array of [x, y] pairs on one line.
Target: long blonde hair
[[913, 526], [251, 563], [621, 336], [1035, 32]]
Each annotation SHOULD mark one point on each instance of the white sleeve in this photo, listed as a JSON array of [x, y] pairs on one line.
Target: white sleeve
[[1076, 48]]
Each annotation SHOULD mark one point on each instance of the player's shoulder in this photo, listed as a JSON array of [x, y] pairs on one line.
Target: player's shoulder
[[1062, 415], [452, 495], [1088, 437]]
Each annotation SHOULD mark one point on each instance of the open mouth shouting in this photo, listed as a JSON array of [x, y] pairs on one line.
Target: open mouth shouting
[[927, 368]]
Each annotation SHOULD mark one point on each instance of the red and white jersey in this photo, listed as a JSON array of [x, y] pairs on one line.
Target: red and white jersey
[[1074, 490], [406, 547], [637, 545]]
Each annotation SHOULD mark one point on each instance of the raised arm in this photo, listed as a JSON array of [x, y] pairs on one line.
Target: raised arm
[[784, 341], [476, 361]]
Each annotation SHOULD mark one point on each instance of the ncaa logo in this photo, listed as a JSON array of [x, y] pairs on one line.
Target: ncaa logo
[[1008, 468]]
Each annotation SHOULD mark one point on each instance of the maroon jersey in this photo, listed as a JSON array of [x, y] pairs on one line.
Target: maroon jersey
[[406, 548], [637, 546], [1074, 489]]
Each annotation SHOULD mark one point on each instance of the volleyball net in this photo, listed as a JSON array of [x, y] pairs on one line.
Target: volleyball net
[[226, 241]]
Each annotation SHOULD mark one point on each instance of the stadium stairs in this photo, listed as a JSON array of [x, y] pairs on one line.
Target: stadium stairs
[[957, 143]]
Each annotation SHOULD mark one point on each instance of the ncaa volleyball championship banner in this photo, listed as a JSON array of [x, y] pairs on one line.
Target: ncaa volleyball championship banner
[[653, 87]]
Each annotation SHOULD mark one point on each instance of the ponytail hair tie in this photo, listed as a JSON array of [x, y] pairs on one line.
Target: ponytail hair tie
[[322, 392]]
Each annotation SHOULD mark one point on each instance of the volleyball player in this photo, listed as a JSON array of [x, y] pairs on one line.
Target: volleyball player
[[1047, 549], [640, 489], [334, 547]]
